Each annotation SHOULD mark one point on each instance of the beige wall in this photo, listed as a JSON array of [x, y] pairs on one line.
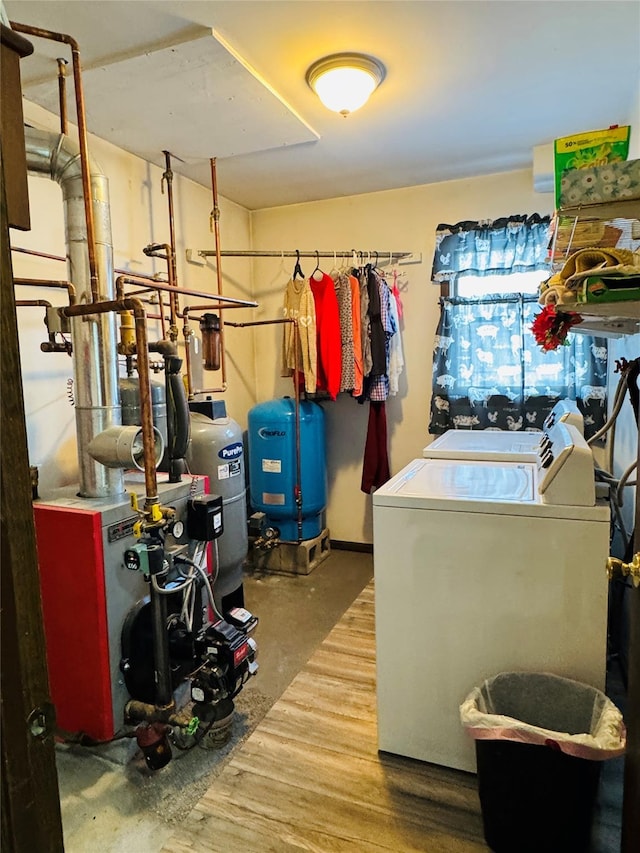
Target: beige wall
[[139, 216], [396, 220]]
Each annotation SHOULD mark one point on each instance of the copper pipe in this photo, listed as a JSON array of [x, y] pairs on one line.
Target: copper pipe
[[38, 254], [26, 303], [296, 391], [215, 219], [205, 307], [160, 285], [142, 358], [37, 282], [152, 252], [186, 332], [168, 177], [82, 138], [150, 276], [62, 93], [160, 316]]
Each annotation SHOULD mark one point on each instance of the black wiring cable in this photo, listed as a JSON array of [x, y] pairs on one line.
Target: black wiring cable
[[206, 581], [633, 371]]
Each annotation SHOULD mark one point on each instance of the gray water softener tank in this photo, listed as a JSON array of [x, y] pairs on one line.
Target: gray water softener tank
[[216, 450]]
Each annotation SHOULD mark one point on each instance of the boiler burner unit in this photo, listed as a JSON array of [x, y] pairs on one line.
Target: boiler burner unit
[[134, 635]]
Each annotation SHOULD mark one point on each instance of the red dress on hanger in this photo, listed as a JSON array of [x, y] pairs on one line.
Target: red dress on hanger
[[329, 341]]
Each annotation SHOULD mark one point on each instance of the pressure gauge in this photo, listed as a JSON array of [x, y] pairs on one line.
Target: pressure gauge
[[177, 530]]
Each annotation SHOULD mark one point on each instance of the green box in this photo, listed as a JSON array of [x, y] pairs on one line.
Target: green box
[[596, 289], [588, 150]]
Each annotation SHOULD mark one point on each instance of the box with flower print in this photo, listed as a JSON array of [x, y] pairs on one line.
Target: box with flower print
[[610, 182]]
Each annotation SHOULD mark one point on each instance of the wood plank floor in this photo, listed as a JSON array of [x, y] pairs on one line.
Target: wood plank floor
[[310, 777]]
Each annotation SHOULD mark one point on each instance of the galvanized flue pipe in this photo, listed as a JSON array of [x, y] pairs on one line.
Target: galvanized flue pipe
[[94, 343]]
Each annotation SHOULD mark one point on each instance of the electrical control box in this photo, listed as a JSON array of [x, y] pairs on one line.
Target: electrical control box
[[204, 518]]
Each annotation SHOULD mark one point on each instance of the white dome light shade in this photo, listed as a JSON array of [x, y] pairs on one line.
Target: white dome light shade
[[344, 81]]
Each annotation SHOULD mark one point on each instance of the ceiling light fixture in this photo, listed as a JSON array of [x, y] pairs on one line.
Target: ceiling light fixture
[[345, 81]]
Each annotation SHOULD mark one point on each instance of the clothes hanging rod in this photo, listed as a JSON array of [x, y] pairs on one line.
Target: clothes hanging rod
[[258, 253]]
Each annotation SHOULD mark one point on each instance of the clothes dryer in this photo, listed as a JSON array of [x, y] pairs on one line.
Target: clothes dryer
[[502, 444]]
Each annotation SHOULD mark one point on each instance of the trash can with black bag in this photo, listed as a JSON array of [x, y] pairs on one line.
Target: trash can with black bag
[[540, 741]]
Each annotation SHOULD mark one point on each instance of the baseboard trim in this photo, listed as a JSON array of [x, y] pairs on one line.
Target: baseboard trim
[[342, 545]]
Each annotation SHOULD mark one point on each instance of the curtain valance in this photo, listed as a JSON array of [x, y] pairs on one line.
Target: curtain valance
[[504, 246]]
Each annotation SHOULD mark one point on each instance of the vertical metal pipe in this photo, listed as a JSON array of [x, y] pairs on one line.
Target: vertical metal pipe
[[163, 692], [171, 259], [153, 251], [186, 331], [215, 221], [62, 94], [94, 340], [296, 385]]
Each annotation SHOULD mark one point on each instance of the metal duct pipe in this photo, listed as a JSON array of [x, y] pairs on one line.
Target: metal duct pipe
[[94, 338]]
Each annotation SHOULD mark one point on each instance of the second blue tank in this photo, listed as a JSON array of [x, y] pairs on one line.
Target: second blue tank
[[272, 466]]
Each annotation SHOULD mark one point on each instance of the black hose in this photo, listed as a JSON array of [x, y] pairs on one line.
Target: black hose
[[178, 421]]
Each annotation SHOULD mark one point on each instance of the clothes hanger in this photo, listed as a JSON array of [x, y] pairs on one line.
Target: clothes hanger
[[297, 270], [335, 272], [317, 274]]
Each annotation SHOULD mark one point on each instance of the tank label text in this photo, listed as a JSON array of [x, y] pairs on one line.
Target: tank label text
[[272, 466], [231, 451], [231, 469], [271, 433]]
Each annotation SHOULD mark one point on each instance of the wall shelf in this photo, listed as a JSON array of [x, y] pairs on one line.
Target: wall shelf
[[625, 209], [624, 310], [607, 319]]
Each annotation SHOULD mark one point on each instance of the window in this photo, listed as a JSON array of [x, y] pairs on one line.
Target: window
[[488, 372], [520, 282]]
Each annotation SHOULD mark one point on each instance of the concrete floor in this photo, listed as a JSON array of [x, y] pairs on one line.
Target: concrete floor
[[111, 804]]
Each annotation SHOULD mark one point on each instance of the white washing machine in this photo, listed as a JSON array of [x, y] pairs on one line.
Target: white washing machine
[[483, 567], [502, 444]]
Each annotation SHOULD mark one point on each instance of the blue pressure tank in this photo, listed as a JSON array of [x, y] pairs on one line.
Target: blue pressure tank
[[272, 466]]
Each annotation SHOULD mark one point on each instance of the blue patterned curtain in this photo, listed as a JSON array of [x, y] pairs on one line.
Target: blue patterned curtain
[[489, 373], [509, 245]]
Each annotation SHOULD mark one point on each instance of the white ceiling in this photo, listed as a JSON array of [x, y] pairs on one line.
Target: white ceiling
[[471, 86]]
